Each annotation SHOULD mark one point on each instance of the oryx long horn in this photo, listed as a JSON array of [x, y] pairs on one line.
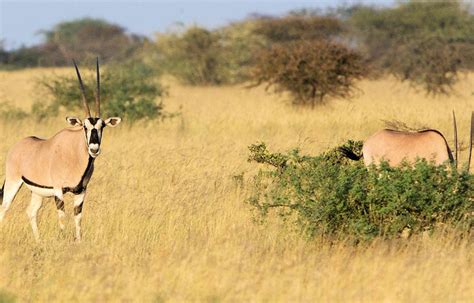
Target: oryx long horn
[[84, 99], [455, 141], [97, 95], [470, 142]]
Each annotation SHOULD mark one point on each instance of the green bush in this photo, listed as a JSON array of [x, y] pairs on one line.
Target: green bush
[[129, 90], [325, 195], [310, 70], [298, 26], [193, 56], [239, 43], [197, 56]]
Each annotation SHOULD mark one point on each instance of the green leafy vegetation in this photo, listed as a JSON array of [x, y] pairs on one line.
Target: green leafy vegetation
[[129, 90], [197, 56], [328, 196], [193, 56]]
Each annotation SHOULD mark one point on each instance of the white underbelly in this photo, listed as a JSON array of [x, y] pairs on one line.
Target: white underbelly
[[44, 192]]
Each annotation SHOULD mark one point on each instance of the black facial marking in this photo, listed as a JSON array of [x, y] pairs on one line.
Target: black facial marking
[[94, 137], [59, 203], [93, 121], [78, 209]]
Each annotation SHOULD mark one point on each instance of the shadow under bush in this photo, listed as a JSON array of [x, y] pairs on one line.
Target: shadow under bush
[[326, 195]]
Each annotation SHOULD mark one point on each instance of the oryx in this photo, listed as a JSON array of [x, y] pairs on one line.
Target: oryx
[[396, 146], [62, 164]]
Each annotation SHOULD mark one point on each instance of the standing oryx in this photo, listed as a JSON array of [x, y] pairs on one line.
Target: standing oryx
[[396, 146], [61, 164]]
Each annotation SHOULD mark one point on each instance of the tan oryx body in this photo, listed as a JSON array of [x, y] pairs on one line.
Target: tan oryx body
[[56, 166], [397, 146], [64, 169]]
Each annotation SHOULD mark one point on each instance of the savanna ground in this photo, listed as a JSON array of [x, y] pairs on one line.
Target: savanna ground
[[165, 218]]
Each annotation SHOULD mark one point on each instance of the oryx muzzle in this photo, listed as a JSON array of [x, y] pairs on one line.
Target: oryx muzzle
[[62, 164]]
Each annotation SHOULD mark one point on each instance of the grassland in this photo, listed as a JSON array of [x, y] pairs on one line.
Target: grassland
[[165, 220]]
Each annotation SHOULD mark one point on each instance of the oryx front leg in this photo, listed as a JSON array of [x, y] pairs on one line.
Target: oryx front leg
[[78, 202], [32, 211], [59, 199]]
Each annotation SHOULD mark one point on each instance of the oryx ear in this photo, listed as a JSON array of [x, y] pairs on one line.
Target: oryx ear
[[113, 121], [74, 121]]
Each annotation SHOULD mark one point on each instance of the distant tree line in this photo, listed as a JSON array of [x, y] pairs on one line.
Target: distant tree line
[[313, 55], [80, 39]]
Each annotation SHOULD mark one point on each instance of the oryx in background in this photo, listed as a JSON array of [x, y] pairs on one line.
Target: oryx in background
[[396, 146], [59, 165]]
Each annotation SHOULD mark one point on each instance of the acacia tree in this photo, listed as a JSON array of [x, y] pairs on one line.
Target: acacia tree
[[310, 71], [298, 26], [87, 38]]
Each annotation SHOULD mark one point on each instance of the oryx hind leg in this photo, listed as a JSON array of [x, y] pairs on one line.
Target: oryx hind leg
[[32, 211], [9, 191], [78, 203]]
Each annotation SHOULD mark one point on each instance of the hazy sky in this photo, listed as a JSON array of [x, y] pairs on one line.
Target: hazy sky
[[20, 21]]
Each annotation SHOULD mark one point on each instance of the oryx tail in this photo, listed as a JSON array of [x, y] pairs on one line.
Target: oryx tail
[[349, 153], [456, 153], [1, 193], [470, 142]]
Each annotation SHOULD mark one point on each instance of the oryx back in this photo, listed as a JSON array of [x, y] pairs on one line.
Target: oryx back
[[397, 146]]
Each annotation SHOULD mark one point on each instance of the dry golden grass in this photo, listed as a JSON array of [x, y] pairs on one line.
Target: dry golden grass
[[165, 221]]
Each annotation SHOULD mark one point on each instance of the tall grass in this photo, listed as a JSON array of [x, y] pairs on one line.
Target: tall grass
[[165, 218]]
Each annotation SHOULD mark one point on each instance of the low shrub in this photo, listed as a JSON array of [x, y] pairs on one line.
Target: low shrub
[[129, 90], [326, 195]]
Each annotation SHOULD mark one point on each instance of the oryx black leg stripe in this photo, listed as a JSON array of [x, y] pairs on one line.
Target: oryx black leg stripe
[[78, 209], [59, 203]]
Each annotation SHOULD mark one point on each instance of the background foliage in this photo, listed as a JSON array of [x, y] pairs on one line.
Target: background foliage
[[79, 39], [424, 43], [129, 90], [310, 70]]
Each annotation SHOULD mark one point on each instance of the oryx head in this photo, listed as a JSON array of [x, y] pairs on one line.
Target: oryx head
[[93, 126]]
